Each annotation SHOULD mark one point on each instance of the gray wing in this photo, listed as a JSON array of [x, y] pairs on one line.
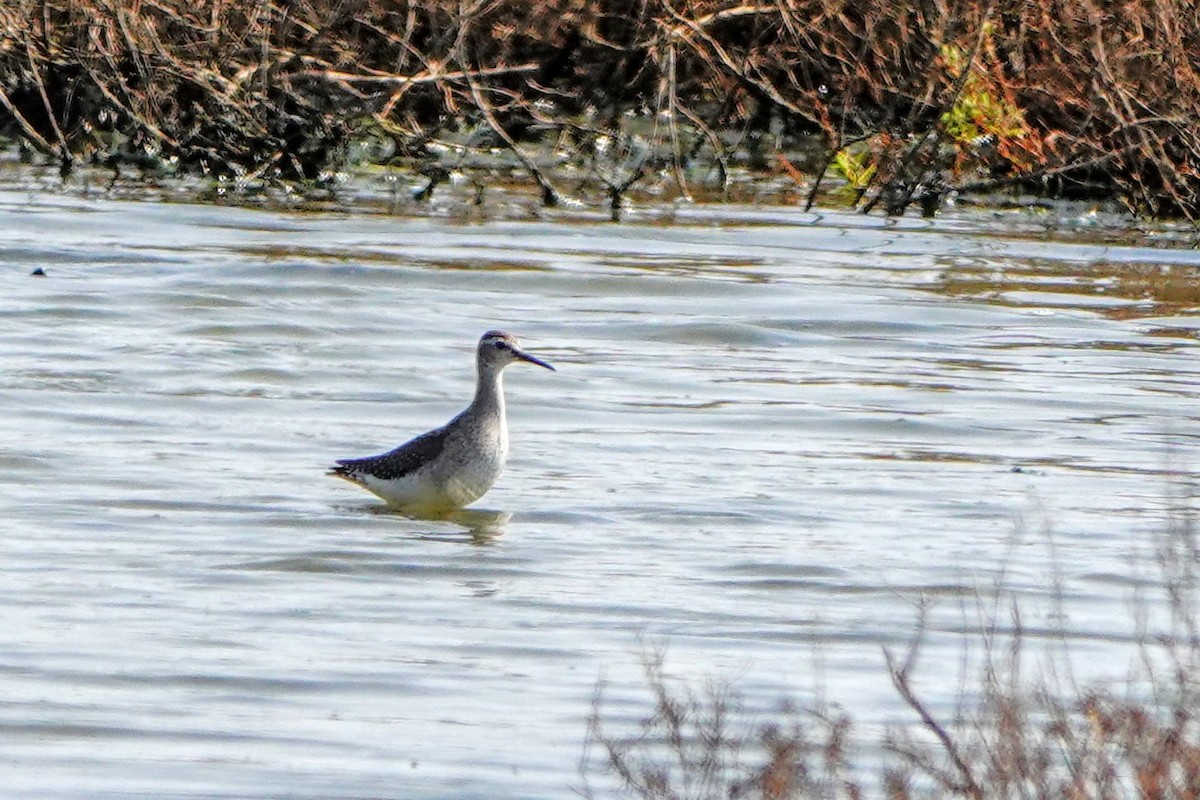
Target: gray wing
[[397, 463]]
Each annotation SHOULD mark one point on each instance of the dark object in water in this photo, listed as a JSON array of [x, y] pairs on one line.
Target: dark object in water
[[39, 272]]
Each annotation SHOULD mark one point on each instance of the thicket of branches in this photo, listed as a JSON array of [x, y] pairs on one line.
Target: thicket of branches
[[902, 100]]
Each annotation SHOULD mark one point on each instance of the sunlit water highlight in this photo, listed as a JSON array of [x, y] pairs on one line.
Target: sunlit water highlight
[[771, 434]]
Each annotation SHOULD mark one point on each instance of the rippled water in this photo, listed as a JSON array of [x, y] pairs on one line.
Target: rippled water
[[770, 435]]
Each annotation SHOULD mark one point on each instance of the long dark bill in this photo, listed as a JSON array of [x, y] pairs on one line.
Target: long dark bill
[[521, 354]]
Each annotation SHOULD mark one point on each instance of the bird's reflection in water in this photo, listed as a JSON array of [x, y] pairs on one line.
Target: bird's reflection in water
[[482, 525]]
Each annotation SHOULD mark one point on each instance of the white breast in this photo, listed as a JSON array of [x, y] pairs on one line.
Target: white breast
[[471, 464]]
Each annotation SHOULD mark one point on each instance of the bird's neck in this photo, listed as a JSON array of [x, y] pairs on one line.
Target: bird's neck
[[489, 392]]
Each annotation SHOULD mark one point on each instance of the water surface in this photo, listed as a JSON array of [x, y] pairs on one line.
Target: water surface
[[770, 436]]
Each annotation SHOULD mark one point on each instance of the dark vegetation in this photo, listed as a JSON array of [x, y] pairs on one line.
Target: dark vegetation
[[1023, 727], [901, 102]]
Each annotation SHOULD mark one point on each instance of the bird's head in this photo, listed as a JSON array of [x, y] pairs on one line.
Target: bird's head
[[498, 349]]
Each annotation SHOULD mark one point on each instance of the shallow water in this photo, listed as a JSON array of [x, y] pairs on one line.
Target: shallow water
[[770, 436]]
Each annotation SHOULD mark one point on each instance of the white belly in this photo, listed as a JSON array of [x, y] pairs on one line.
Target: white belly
[[462, 473], [466, 472]]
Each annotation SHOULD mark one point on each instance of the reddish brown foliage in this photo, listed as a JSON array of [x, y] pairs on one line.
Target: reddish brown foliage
[[1106, 94]]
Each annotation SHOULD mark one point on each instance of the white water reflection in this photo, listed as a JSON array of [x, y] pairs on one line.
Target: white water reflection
[[770, 435]]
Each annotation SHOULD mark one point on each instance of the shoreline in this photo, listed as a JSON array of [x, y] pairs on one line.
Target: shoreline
[[887, 108]]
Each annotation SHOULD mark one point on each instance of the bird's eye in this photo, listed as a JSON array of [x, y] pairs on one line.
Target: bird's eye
[[500, 345]]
